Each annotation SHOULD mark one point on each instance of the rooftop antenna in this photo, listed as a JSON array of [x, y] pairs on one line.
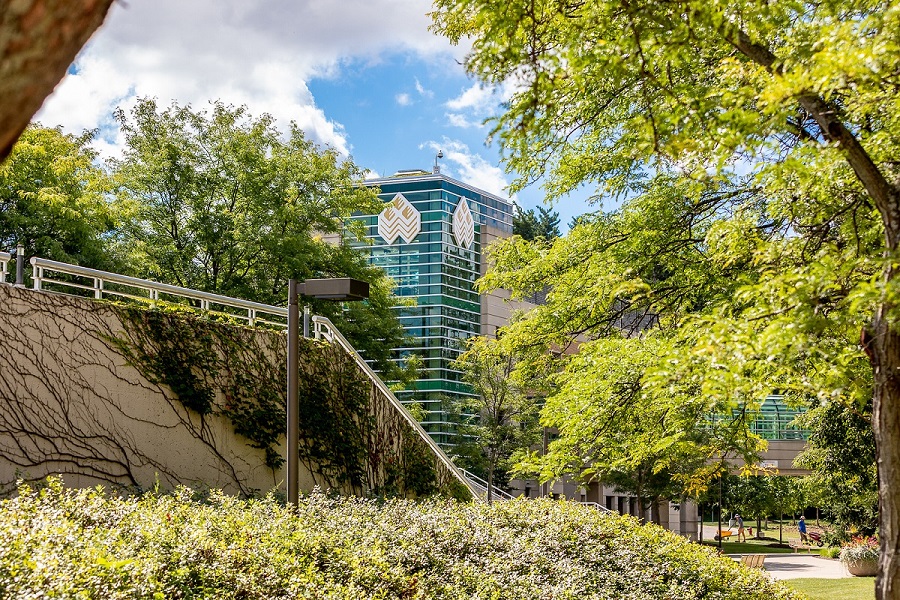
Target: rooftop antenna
[[440, 154]]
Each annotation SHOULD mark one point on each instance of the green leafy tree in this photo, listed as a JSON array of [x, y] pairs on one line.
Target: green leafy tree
[[221, 201], [622, 286], [801, 94], [502, 415], [52, 200], [615, 427], [841, 455], [531, 225], [752, 496]]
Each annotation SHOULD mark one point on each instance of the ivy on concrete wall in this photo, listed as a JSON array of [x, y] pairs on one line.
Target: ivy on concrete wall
[[211, 368], [351, 437]]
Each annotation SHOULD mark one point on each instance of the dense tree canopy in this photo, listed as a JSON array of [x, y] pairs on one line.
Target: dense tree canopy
[[793, 103], [215, 200], [53, 200], [501, 418], [530, 224]]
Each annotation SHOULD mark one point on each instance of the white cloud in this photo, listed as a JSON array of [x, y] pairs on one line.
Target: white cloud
[[255, 52], [477, 103], [422, 91], [476, 98], [465, 165], [458, 120], [403, 99]]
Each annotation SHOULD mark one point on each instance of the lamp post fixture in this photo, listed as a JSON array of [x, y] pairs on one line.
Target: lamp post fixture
[[337, 290]]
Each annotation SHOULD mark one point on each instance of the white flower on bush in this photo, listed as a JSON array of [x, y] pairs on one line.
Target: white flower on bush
[[860, 550]]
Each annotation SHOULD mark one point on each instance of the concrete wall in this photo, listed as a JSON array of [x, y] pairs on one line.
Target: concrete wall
[[496, 306], [71, 404]]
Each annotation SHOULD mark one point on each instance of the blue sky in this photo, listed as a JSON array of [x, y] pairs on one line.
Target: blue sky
[[363, 76]]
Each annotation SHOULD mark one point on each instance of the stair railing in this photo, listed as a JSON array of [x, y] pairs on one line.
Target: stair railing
[[482, 485], [324, 329]]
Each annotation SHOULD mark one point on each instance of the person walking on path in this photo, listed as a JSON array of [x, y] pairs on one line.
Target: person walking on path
[[740, 525], [801, 526]]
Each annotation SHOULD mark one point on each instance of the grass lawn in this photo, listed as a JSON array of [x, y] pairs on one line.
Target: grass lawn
[[852, 588]]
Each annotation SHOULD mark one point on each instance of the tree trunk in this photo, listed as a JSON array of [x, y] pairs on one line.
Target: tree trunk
[[490, 482], [38, 41], [886, 421]]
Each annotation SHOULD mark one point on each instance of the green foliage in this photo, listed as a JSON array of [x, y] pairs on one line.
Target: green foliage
[[607, 90], [52, 199], [756, 144], [501, 416], [530, 225], [213, 368], [67, 543], [214, 200], [239, 372], [220, 201], [841, 456]]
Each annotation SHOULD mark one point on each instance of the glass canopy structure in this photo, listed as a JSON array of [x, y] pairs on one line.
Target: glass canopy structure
[[774, 420]]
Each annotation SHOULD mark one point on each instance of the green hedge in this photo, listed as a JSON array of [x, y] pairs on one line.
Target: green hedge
[[60, 543]]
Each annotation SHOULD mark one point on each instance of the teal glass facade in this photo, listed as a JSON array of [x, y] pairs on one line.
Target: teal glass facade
[[436, 276]]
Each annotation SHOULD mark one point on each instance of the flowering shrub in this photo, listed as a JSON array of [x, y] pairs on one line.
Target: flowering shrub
[[83, 543], [859, 550]]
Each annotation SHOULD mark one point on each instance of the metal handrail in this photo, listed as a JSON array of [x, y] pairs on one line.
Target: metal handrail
[[5, 257], [323, 328], [152, 289], [483, 485], [597, 505]]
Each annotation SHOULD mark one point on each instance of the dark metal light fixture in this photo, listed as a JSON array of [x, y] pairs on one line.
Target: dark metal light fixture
[[338, 290]]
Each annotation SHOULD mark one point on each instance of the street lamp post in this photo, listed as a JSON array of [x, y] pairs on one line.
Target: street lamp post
[[337, 290]]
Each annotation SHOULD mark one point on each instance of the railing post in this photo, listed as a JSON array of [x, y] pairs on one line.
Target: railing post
[[98, 288], [20, 265], [293, 408]]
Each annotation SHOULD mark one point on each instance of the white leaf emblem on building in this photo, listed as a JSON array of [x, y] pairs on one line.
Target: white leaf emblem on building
[[463, 224], [399, 219]]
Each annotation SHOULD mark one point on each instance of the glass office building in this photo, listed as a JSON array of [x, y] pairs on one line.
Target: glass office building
[[429, 240]]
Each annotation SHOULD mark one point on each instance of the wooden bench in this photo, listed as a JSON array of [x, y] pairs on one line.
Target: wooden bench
[[798, 545], [754, 561]]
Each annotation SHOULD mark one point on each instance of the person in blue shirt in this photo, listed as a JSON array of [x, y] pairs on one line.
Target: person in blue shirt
[[802, 527]]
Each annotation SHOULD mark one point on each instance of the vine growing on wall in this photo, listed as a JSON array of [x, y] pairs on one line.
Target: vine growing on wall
[[212, 368], [350, 436]]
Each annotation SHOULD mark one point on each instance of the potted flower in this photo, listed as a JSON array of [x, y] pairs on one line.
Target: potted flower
[[860, 556]]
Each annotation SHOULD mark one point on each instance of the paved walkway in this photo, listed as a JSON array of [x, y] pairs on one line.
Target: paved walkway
[[796, 566]]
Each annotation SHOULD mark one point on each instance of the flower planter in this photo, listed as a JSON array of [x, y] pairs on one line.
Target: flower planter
[[862, 568]]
